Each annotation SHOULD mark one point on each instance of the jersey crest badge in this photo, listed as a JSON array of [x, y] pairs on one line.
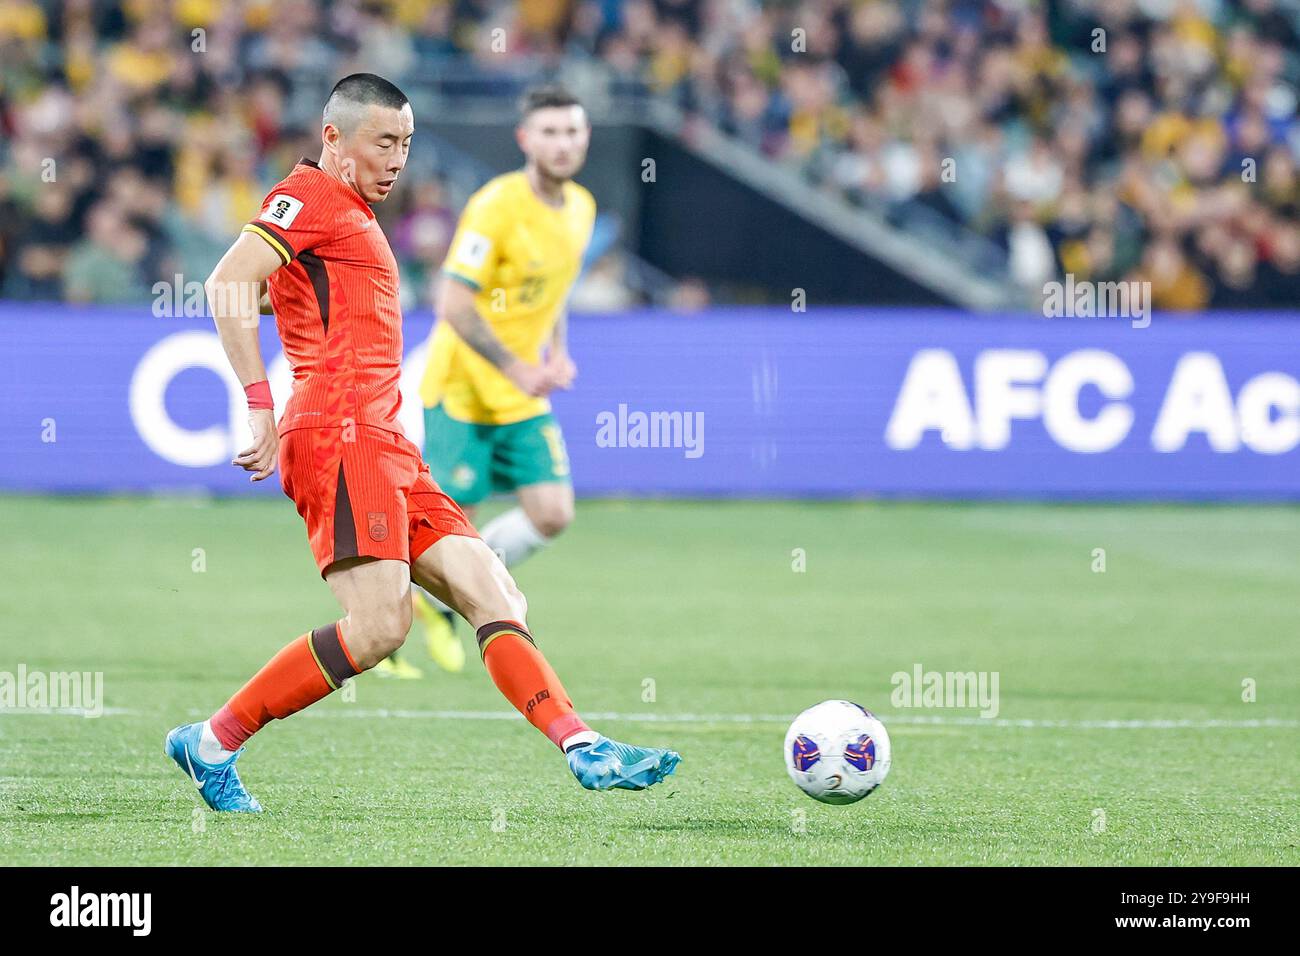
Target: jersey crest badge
[[473, 249], [282, 210]]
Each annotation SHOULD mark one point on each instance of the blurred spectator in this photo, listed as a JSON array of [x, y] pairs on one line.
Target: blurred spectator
[[107, 265], [689, 295], [422, 233], [46, 239], [602, 287]]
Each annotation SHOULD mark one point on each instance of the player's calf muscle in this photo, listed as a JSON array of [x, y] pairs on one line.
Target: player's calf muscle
[[465, 573], [481, 600]]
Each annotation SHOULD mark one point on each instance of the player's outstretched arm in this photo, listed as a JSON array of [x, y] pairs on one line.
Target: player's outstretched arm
[[456, 306], [234, 294]]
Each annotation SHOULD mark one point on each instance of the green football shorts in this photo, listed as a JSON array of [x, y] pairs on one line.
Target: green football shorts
[[470, 461]]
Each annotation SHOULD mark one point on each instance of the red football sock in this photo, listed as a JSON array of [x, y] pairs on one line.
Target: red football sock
[[311, 667], [521, 673]]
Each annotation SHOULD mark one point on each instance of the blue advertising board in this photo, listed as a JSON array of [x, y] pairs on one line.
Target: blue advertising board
[[742, 402]]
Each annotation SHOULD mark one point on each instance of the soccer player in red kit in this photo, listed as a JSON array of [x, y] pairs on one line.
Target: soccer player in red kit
[[375, 519]]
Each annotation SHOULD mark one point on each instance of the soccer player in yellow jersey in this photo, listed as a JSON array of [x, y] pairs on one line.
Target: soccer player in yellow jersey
[[500, 347]]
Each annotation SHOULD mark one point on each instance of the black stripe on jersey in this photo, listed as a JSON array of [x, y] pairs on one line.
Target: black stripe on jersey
[[345, 528], [320, 281], [274, 237]]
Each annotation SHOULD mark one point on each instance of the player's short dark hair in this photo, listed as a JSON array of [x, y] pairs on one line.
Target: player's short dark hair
[[544, 97], [360, 90]]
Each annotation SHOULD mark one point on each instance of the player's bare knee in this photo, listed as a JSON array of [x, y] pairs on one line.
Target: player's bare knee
[[378, 631], [397, 622], [553, 518]]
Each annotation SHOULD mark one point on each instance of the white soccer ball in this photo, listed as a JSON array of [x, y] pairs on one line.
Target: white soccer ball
[[837, 752]]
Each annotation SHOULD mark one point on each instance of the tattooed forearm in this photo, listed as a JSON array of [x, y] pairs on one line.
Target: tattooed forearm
[[456, 306], [469, 325]]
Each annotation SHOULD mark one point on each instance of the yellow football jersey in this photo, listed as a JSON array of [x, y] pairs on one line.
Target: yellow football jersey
[[521, 256]]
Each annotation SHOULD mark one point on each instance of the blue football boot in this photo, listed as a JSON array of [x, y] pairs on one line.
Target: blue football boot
[[217, 783], [608, 764]]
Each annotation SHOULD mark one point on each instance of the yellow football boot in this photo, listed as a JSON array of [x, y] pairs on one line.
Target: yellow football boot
[[444, 646]]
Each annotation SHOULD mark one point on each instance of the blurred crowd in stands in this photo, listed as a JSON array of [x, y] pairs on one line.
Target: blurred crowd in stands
[[1110, 139], [1148, 139]]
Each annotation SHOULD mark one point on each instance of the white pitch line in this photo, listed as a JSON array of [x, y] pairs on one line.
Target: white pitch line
[[950, 721], [953, 720], [68, 712]]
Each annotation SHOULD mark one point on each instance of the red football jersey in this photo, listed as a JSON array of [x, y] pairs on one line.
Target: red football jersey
[[335, 302]]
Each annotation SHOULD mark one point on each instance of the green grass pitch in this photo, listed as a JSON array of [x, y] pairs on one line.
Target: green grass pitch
[[698, 606]]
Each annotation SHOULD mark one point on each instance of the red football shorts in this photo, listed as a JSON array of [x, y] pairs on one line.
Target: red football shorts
[[365, 492]]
